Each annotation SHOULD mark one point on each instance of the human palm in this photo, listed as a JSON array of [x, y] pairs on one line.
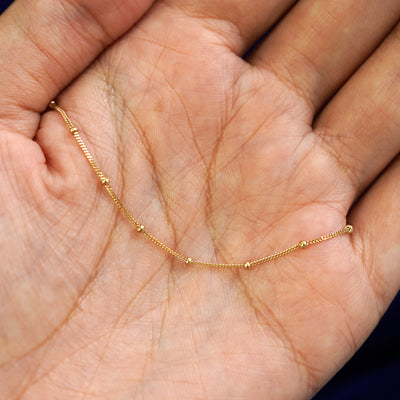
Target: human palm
[[224, 160]]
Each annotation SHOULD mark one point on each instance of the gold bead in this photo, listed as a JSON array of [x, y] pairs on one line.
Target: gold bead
[[348, 228], [157, 242], [140, 228]]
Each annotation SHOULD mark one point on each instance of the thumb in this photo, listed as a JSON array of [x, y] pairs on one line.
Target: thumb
[[44, 44]]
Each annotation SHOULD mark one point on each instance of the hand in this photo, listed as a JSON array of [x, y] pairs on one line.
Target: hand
[[224, 159]]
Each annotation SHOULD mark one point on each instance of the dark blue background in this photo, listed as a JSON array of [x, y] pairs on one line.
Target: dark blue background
[[374, 371]]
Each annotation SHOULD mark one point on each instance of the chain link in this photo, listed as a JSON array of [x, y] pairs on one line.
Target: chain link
[[141, 229]]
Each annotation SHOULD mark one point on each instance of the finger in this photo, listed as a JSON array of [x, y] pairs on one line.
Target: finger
[[238, 23], [360, 127], [45, 44], [320, 43], [377, 234]]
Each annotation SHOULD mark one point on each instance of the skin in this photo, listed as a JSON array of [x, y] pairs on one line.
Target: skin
[[222, 157]]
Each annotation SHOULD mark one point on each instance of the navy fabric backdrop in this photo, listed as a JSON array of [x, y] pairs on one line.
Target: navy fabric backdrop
[[374, 372]]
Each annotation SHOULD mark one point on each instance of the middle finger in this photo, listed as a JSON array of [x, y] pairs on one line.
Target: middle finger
[[320, 43]]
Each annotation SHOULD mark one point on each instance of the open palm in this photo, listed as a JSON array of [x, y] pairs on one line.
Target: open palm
[[225, 160]]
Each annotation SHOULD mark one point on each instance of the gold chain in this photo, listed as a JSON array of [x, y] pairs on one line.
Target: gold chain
[[141, 229]]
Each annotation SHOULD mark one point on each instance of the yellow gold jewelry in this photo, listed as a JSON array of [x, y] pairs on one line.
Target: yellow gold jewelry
[[141, 229]]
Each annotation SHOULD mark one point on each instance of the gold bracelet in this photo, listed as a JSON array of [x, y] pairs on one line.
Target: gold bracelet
[[141, 229]]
